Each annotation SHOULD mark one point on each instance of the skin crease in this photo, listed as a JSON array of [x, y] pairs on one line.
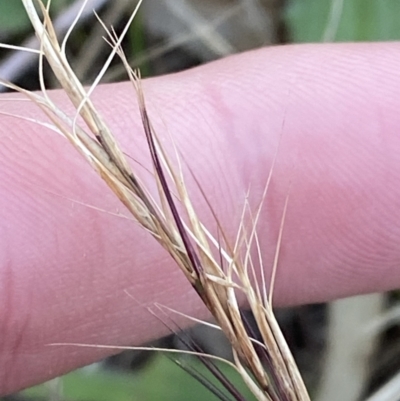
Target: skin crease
[[329, 113]]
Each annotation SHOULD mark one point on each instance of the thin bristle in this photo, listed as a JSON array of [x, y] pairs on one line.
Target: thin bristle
[[209, 364], [204, 381], [195, 263]]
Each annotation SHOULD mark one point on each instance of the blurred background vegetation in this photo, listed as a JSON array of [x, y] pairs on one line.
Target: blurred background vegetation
[[338, 359]]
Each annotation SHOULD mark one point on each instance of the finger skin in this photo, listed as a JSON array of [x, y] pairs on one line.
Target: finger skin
[[329, 112]]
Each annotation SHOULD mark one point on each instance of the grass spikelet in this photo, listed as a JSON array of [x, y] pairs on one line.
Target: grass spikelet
[[216, 270]]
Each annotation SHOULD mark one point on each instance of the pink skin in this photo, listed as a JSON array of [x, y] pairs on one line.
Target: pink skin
[[64, 266]]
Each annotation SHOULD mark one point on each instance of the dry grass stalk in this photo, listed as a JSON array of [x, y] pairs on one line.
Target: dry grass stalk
[[216, 270]]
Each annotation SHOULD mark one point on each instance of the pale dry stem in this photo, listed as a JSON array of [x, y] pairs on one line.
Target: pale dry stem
[[215, 270]]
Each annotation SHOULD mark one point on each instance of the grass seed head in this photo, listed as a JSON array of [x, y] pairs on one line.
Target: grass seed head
[[216, 270]]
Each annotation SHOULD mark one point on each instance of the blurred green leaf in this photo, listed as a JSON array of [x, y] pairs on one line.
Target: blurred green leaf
[[13, 19], [137, 39], [360, 20]]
